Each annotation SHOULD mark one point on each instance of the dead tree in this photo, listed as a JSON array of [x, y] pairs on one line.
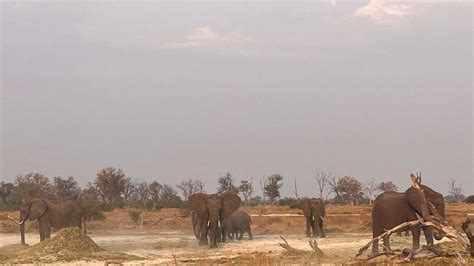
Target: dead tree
[[437, 223], [293, 251], [322, 179], [295, 190]]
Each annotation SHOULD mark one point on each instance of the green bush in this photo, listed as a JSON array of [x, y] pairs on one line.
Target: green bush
[[293, 203], [469, 199], [92, 211]]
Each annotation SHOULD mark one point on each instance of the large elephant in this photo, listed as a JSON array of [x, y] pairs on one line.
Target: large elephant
[[238, 223], [393, 208], [314, 212], [62, 215], [210, 211]]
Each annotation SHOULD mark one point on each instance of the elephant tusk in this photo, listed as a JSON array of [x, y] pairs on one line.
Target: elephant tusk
[[13, 219], [218, 223], [208, 223], [312, 217], [321, 218]]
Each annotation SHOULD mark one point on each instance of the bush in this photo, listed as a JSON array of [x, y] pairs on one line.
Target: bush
[[92, 211], [135, 216], [469, 199], [293, 203]]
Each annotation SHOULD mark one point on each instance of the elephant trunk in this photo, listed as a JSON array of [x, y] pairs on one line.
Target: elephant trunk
[[213, 225]]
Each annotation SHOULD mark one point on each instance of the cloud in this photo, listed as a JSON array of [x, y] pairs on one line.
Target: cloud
[[382, 12], [206, 37]]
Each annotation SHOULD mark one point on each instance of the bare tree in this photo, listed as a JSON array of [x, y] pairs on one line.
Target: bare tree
[[129, 189], [246, 189], [333, 185], [323, 179], [226, 183], [295, 190], [272, 189], [263, 184], [350, 188], [387, 186], [455, 191], [370, 188], [190, 186], [142, 189]]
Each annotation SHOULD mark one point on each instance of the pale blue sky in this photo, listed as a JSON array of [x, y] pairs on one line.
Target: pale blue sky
[[371, 89]]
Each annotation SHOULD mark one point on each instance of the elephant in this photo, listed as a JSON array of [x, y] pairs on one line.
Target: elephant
[[62, 215], [393, 208], [314, 211], [238, 223], [210, 211]]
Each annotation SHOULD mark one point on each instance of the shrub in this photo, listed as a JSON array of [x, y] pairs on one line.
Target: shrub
[[92, 211], [135, 216], [469, 199], [293, 203]]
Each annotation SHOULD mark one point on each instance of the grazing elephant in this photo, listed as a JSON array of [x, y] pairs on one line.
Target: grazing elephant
[[393, 208], [62, 215], [238, 223], [210, 211], [314, 212]]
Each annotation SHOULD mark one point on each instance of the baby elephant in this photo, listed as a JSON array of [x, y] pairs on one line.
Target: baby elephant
[[237, 223]]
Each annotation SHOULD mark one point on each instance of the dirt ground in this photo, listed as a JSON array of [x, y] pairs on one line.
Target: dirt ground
[[165, 237]]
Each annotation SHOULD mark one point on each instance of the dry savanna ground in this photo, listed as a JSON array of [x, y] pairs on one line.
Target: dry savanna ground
[[166, 237]]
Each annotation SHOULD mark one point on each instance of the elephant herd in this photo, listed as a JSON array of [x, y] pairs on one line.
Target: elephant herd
[[216, 217]]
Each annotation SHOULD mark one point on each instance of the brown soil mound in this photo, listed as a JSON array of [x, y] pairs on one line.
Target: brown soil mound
[[66, 241], [69, 244]]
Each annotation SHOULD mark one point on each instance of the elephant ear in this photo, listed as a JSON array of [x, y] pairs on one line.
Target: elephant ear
[[197, 202], [37, 209], [304, 206], [416, 198], [230, 203]]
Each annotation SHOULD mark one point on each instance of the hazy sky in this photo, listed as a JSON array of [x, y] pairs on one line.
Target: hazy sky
[[169, 91]]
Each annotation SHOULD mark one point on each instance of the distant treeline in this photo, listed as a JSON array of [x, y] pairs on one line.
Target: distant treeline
[[111, 189]]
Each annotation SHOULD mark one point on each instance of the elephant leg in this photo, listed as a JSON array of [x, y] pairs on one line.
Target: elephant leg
[[321, 228], [375, 247], [241, 235], [415, 231], [45, 226], [428, 231], [308, 226], [315, 228], [249, 231], [386, 243], [203, 231], [41, 232]]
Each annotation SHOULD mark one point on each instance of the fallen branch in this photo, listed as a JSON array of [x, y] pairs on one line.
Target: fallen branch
[[293, 251], [387, 233], [314, 245]]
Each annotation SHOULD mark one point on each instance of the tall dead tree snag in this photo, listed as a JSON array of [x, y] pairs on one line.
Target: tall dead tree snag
[[431, 218]]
